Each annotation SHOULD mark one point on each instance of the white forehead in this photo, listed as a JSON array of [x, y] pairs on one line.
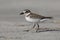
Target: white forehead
[[24, 11]]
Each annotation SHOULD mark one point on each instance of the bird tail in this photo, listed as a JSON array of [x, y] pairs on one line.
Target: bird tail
[[48, 17]]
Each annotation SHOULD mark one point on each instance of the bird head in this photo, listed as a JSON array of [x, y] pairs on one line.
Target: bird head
[[26, 11]]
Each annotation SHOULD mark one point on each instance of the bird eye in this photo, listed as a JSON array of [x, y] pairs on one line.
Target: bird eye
[[26, 12]]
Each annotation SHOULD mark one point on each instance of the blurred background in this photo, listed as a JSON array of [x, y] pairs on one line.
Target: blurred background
[[10, 9]]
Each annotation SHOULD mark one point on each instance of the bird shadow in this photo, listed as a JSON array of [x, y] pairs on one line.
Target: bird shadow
[[45, 30], [48, 29]]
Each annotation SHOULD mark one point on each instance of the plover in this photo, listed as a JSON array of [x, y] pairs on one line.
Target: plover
[[34, 18]]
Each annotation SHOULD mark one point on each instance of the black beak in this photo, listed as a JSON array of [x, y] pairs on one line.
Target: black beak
[[21, 13]]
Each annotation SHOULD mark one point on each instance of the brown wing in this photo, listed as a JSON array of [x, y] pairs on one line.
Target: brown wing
[[33, 15]]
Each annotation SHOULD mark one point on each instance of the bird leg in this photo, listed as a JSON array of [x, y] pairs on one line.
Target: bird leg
[[37, 28]]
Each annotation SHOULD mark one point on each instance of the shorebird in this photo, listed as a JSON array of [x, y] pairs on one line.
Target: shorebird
[[33, 18]]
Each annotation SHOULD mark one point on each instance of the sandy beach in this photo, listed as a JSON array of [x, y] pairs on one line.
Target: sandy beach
[[12, 25]]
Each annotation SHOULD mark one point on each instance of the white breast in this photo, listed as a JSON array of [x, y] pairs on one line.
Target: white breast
[[31, 19]]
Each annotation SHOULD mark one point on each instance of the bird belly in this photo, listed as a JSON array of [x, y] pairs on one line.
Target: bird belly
[[32, 19]]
